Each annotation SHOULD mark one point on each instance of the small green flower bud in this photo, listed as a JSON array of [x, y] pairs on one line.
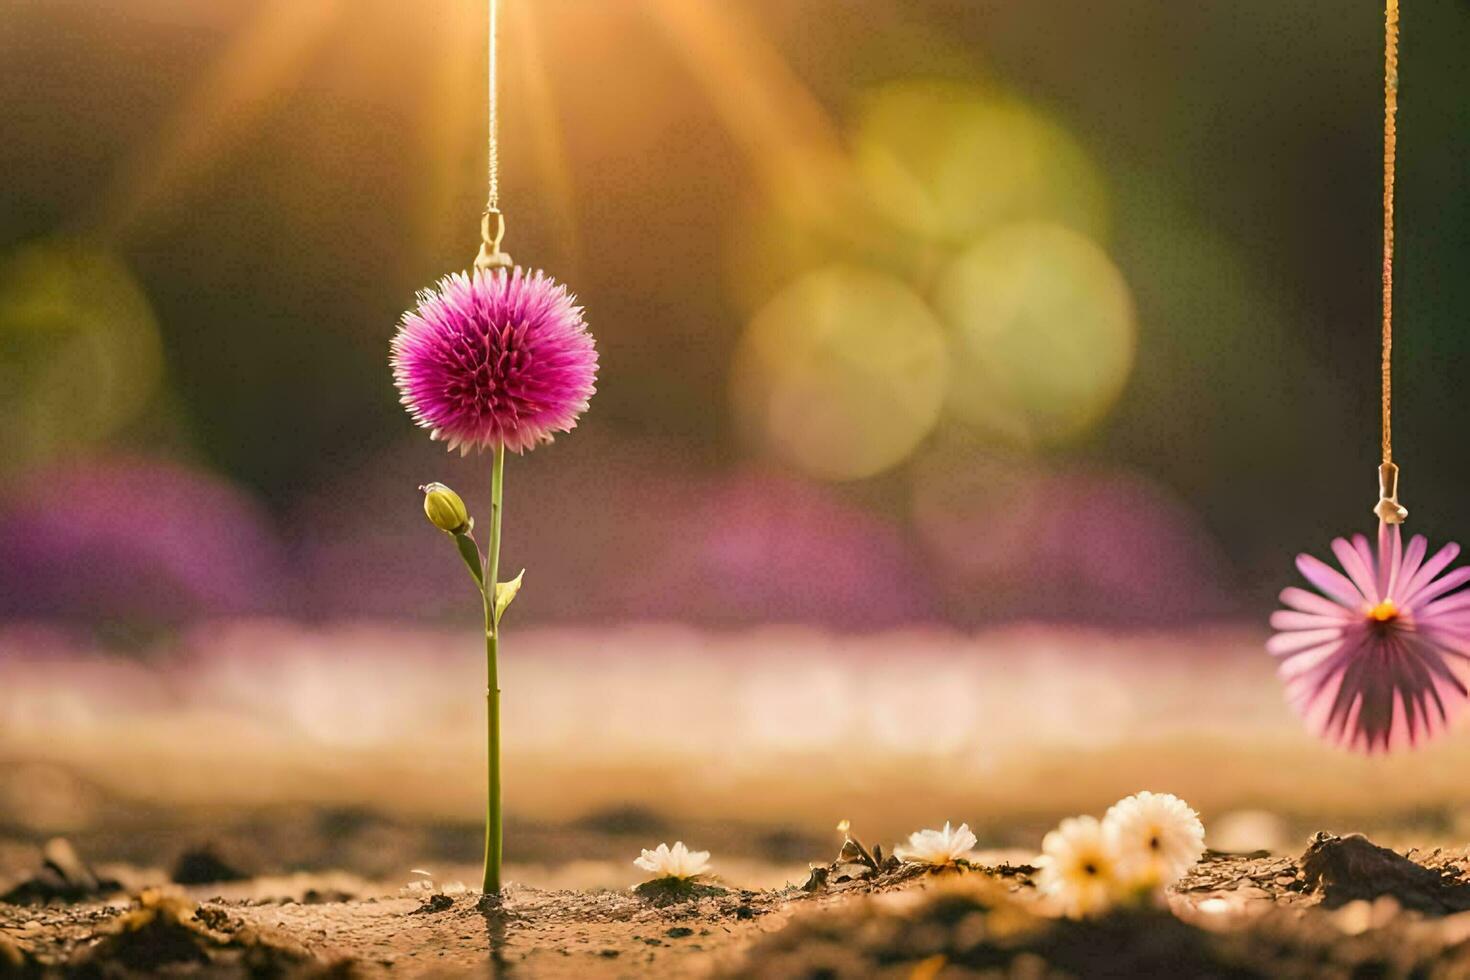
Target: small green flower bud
[[445, 509]]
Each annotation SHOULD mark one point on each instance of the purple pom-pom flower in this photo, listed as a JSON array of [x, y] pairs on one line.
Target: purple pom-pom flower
[[495, 358], [1378, 660]]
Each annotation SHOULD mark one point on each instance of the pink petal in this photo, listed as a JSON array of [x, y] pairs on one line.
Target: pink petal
[[1449, 583], [1445, 606], [1316, 661], [1290, 619], [1413, 558], [1444, 673], [1286, 644], [1332, 582], [1357, 561], [1453, 641], [1360, 692], [1390, 557], [1311, 602], [1318, 703], [1428, 571]]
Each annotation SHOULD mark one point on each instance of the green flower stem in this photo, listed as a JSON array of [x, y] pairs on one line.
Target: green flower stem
[[493, 836]]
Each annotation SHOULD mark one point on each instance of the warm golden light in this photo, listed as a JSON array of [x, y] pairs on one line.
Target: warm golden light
[[760, 99], [262, 62]]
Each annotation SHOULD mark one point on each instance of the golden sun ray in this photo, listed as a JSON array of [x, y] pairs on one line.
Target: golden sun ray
[[263, 61], [762, 101], [455, 100], [541, 117]]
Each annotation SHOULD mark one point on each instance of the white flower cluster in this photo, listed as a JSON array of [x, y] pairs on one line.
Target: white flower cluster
[[424, 886], [1141, 846], [674, 862], [936, 847]]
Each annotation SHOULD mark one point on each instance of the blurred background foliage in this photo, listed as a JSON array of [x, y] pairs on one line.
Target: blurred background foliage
[[921, 311]]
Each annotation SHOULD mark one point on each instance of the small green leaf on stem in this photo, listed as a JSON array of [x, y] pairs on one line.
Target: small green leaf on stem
[[470, 552], [505, 592]]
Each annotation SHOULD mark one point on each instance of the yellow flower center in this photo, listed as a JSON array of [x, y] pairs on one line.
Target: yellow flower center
[[1384, 611]]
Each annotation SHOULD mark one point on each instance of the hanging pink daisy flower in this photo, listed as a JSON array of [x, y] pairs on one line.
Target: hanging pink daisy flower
[[1376, 661], [495, 358]]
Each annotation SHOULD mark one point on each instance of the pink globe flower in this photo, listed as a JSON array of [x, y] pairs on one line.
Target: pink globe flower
[[495, 359], [1377, 661]]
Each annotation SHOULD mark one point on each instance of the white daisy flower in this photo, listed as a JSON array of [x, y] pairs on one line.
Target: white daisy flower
[[936, 847], [674, 862], [1078, 868], [1156, 837]]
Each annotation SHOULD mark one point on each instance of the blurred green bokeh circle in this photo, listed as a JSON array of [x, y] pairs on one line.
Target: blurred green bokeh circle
[[841, 374], [1043, 331], [950, 161], [82, 354]]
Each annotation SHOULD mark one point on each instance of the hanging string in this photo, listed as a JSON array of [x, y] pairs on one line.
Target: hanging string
[[1388, 508], [492, 225], [1390, 134], [492, 202]]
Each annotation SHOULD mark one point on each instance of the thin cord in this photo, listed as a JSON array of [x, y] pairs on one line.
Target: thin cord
[[492, 202], [1390, 135]]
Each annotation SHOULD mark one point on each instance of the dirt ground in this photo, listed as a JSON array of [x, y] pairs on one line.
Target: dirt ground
[[535, 933], [1344, 907]]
